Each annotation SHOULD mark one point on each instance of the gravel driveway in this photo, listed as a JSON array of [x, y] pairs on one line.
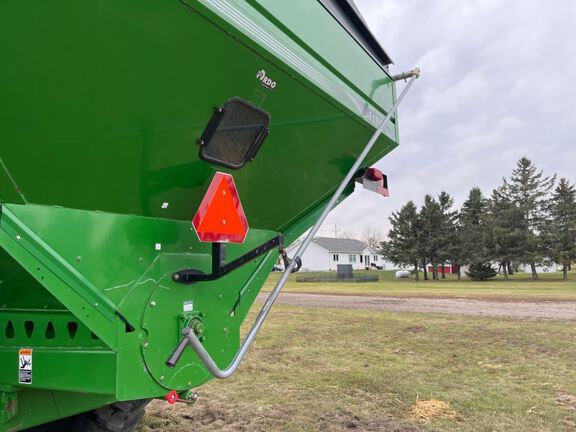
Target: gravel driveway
[[558, 310]]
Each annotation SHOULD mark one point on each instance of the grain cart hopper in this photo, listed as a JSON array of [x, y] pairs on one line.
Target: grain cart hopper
[[121, 123]]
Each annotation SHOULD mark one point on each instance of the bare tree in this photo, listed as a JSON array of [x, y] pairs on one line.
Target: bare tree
[[347, 235], [373, 238]]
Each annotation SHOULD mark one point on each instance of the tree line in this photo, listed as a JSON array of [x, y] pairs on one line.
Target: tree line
[[529, 219]]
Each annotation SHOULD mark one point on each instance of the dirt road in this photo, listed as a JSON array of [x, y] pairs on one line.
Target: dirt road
[[560, 310]]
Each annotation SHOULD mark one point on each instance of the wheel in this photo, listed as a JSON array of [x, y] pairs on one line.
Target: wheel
[[116, 417]]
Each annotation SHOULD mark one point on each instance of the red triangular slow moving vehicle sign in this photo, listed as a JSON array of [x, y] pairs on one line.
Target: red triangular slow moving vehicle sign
[[220, 217]]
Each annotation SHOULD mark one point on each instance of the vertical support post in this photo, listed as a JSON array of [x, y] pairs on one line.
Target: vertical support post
[[218, 257]]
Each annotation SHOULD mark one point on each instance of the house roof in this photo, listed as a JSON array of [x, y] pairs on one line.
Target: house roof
[[340, 245]]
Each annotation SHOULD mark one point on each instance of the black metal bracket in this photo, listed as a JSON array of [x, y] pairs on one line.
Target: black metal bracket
[[219, 266], [287, 261]]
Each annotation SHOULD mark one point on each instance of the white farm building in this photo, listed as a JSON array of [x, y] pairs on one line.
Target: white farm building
[[325, 253]]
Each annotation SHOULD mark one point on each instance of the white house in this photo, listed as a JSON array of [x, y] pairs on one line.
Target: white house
[[326, 253], [549, 267]]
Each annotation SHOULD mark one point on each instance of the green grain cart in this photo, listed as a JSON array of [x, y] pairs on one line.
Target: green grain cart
[[156, 158]]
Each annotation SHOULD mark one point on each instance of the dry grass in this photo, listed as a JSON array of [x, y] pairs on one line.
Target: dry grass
[[427, 410], [519, 287], [316, 369]]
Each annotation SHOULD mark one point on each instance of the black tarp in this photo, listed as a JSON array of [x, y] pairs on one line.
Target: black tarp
[[348, 15]]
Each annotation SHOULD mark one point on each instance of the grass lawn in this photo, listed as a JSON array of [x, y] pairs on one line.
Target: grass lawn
[[519, 287], [316, 369]]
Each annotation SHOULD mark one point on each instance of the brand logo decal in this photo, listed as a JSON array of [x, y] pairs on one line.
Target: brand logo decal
[[366, 113], [372, 118], [266, 81]]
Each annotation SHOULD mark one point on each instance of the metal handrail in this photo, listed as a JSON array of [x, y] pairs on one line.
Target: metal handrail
[[190, 338]]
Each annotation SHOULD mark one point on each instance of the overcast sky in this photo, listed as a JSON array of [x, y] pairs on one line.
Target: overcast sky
[[498, 82]]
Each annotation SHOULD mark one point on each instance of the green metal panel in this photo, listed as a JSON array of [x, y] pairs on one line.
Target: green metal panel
[[331, 45], [39, 406], [103, 103], [73, 301], [116, 257], [310, 44], [45, 328], [13, 275], [224, 306], [30, 240], [8, 404], [114, 260], [81, 370], [117, 122], [8, 189]]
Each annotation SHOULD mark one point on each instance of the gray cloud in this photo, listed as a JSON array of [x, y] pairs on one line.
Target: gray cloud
[[498, 82]]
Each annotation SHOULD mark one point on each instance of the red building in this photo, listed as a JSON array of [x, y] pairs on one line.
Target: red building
[[448, 268]]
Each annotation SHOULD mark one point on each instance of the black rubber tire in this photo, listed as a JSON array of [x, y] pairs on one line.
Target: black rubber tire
[[116, 417]]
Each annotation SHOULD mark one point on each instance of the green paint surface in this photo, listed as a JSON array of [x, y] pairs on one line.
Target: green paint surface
[[102, 106]]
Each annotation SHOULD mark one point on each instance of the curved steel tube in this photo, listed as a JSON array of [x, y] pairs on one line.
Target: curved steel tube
[[191, 337]]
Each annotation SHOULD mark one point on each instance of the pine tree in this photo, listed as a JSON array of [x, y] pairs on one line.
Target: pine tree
[[402, 247], [449, 245], [481, 271], [431, 232], [473, 229], [560, 231], [505, 235], [472, 221], [528, 188]]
